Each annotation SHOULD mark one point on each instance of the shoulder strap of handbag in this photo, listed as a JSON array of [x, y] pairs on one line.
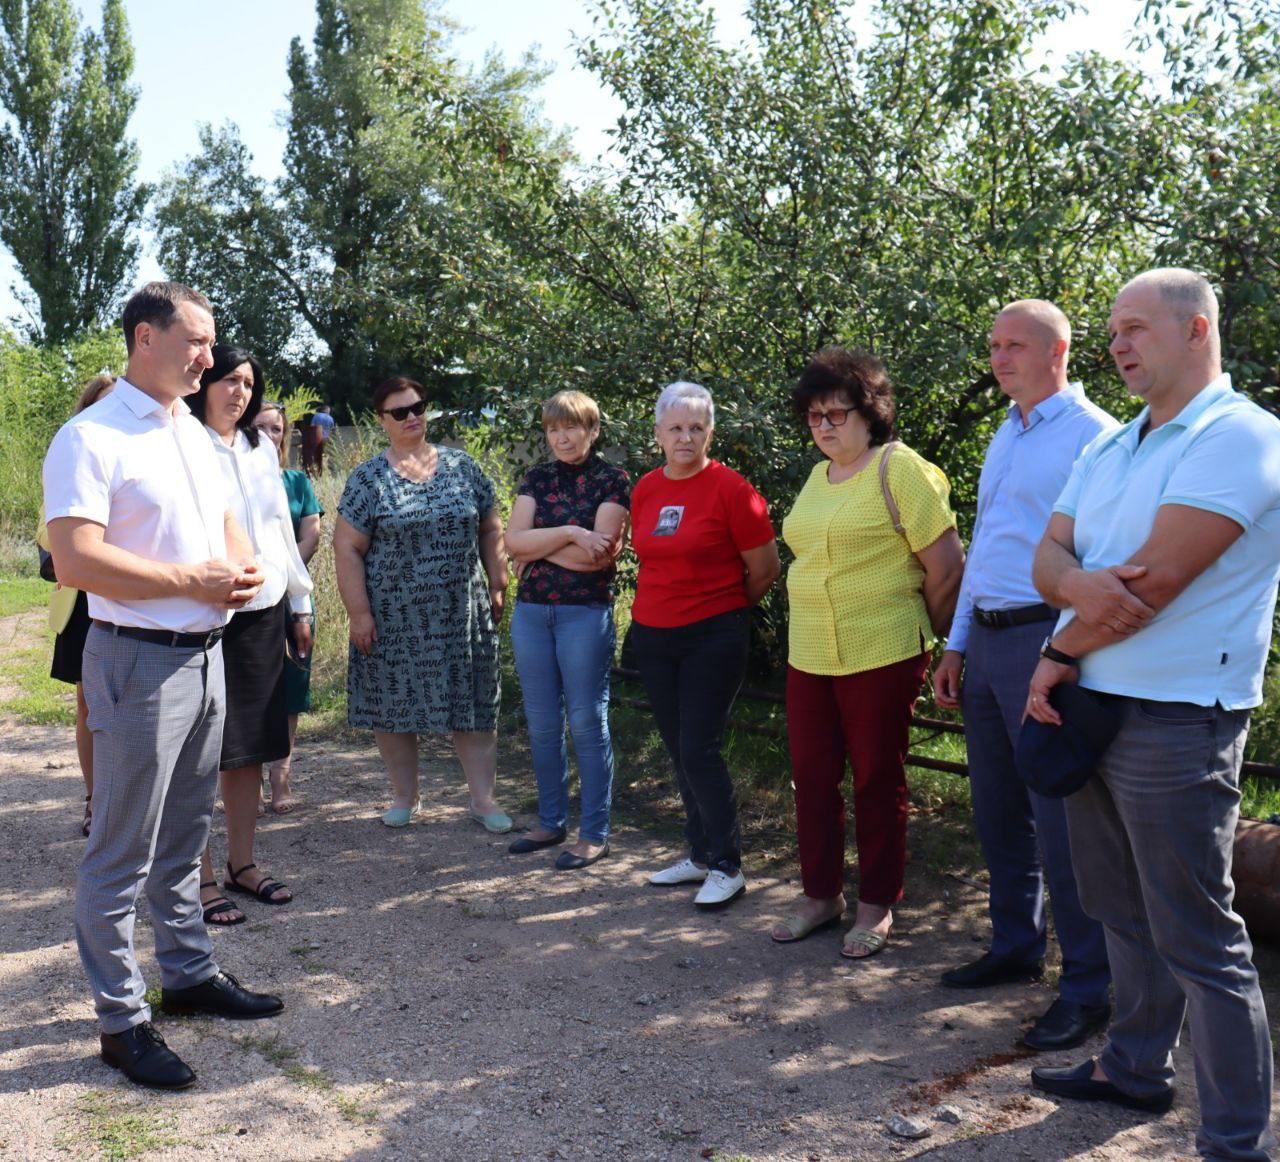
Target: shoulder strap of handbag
[[892, 505]]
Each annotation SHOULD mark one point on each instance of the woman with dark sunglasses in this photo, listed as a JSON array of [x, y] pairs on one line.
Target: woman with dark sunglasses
[[875, 579], [422, 573]]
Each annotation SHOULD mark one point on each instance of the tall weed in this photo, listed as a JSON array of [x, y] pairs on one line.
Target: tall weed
[[38, 388]]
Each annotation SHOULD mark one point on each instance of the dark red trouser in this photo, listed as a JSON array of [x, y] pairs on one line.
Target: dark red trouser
[[866, 717]]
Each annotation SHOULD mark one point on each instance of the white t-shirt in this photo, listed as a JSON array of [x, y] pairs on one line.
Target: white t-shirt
[[149, 476]]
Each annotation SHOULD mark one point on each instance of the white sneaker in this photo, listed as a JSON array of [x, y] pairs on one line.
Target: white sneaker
[[720, 889], [684, 872]]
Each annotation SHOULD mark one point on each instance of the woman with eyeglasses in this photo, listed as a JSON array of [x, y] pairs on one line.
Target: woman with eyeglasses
[[876, 574], [305, 513], [422, 573]]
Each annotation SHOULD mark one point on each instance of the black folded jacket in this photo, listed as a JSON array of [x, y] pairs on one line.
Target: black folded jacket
[[1056, 761]]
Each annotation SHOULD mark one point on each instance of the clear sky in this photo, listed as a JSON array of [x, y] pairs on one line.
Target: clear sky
[[201, 61]]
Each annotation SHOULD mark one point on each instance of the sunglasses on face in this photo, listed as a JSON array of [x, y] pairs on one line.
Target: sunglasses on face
[[403, 413], [834, 416]]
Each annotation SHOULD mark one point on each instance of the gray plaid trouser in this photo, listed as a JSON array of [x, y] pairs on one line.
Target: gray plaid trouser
[[156, 713]]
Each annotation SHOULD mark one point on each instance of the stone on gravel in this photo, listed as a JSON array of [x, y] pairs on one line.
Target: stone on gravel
[[903, 1127], [948, 1114]]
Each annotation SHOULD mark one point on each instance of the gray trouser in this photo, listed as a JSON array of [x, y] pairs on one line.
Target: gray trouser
[[1151, 841], [156, 714]]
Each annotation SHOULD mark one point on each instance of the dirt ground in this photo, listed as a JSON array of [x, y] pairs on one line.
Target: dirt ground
[[446, 1000]]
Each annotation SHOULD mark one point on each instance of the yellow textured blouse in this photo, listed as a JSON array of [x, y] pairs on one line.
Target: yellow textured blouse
[[854, 587]]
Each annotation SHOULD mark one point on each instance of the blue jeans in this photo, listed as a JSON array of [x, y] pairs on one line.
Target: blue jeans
[[1024, 835], [1151, 839], [692, 674], [563, 655]]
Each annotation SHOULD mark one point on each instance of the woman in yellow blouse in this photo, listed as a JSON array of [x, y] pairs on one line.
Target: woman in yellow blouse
[[867, 601]]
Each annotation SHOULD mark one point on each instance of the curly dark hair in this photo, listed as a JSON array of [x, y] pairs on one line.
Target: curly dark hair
[[860, 376]]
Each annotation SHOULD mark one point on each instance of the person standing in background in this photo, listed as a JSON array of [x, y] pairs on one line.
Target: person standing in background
[[994, 644]]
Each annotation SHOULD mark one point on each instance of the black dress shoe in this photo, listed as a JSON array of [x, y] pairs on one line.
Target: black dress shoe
[[567, 861], [1065, 1025], [526, 843], [1076, 1081], [220, 996], [142, 1056], [990, 970]]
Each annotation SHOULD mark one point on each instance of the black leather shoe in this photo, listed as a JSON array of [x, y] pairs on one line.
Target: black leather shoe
[[220, 996], [990, 970], [1065, 1025], [1076, 1081], [526, 843], [142, 1056], [568, 861]]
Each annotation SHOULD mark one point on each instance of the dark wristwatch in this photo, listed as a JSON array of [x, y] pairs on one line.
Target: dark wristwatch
[[1047, 651]]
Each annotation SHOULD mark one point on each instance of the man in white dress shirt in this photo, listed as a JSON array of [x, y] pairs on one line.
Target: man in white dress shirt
[[138, 518]]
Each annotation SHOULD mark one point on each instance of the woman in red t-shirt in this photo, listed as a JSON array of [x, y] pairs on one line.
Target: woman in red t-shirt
[[707, 554]]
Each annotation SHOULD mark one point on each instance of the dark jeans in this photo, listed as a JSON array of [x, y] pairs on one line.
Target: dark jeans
[[1024, 835], [692, 674]]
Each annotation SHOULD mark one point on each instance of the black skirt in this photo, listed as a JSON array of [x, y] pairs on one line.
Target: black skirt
[[257, 726], [68, 646]]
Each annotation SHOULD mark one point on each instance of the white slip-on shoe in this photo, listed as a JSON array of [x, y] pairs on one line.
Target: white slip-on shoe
[[684, 872], [721, 888]]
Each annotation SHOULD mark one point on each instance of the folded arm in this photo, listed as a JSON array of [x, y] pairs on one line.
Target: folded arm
[[1114, 603]]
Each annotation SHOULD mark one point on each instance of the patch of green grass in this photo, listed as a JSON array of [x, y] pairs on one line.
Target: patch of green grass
[[273, 1049], [41, 700], [353, 1112], [309, 1077], [154, 996], [118, 1128], [1260, 798], [18, 594]]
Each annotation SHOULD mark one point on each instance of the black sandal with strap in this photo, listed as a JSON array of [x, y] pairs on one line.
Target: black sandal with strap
[[219, 906], [264, 891]]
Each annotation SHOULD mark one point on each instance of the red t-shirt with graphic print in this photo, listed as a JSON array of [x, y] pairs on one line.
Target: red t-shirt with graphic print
[[689, 536]]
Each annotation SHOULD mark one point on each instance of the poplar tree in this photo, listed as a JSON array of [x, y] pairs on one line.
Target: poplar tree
[[69, 204]]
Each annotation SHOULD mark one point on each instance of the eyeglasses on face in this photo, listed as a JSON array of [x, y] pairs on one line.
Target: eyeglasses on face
[[834, 416], [403, 413]]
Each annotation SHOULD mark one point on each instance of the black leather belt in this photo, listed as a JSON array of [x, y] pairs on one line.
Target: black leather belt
[[1006, 618], [163, 637]]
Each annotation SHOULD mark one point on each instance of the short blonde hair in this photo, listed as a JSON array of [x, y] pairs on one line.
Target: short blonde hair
[[570, 409]]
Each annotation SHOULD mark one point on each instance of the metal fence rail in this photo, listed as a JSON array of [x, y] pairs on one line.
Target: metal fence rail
[[925, 762]]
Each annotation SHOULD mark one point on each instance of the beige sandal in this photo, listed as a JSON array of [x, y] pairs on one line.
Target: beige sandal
[[800, 927], [873, 940]]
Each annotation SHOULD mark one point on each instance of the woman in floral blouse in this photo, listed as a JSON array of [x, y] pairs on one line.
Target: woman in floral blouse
[[566, 530]]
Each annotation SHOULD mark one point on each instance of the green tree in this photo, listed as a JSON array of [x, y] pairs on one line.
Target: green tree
[[69, 205], [337, 272]]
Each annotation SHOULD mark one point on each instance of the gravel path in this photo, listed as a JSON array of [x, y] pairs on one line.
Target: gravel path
[[448, 1001]]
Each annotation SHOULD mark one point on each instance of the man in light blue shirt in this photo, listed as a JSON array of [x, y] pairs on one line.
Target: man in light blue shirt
[[994, 643], [1164, 549]]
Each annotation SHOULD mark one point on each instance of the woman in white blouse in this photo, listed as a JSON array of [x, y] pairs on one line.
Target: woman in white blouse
[[257, 728]]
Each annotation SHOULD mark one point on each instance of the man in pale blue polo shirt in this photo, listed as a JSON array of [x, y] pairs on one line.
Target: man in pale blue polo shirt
[[1164, 549], [994, 644]]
